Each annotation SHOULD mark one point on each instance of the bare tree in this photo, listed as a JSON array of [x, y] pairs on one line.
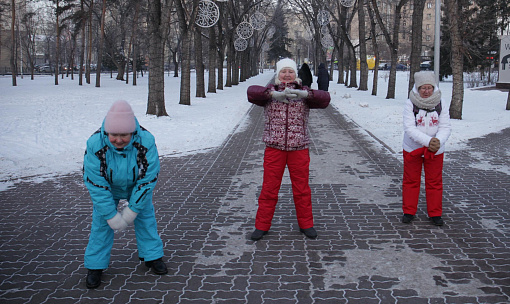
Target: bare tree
[[186, 18], [375, 48], [199, 64], [417, 30], [156, 98], [211, 86], [13, 42], [392, 41], [363, 67], [100, 48], [452, 10]]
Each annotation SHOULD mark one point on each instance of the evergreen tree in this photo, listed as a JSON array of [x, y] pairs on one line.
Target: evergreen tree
[[280, 41]]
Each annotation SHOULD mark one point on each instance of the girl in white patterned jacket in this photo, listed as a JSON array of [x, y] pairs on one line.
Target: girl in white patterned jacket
[[426, 130]]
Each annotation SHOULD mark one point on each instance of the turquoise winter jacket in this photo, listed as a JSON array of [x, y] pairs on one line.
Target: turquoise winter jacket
[[130, 173]]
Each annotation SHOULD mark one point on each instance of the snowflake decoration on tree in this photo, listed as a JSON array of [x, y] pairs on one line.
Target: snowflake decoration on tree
[[240, 44], [258, 21], [323, 17], [327, 41], [245, 30], [271, 32], [208, 13], [347, 3]]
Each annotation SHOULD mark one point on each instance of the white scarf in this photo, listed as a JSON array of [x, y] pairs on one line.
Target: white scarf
[[428, 103]]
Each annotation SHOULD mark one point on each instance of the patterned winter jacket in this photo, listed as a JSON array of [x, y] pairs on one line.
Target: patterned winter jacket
[[286, 124], [419, 129], [130, 173]]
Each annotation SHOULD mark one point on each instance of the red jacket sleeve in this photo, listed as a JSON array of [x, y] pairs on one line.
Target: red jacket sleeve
[[259, 95], [318, 99]]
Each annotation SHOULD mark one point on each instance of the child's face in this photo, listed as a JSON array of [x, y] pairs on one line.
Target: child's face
[[287, 75]]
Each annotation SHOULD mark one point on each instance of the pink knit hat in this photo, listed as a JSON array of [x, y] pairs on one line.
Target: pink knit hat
[[120, 119]]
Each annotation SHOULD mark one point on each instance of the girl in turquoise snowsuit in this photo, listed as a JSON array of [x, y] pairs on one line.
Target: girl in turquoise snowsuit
[[121, 162]]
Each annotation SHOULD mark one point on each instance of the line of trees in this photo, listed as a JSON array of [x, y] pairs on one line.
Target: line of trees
[[129, 35]]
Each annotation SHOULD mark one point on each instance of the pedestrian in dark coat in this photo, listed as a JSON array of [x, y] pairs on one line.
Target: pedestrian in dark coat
[[323, 78], [305, 75]]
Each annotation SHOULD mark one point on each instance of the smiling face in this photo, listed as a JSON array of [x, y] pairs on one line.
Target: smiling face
[[287, 75], [119, 141], [426, 90]]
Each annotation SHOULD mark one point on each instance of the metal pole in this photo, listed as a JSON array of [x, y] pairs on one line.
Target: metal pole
[[437, 32]]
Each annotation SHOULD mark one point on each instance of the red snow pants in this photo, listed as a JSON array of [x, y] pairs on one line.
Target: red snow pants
[[275, 161], [433, 167]]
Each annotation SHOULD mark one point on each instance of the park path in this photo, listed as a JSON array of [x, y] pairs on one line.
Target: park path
[[206, 204]]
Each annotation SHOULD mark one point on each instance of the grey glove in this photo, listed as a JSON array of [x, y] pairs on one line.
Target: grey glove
[[117, 222], [289, 94], [279, 96], [300, 94], [129, 215]]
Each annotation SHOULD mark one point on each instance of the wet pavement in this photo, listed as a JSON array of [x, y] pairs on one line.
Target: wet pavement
[[205, 206]]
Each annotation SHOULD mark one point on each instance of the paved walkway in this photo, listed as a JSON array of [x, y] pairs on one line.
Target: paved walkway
[[205, 206]]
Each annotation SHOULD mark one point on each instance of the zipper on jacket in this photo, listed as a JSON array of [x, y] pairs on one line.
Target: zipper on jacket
[[111, 175], [142, 195], [134, 174], [286, 126]]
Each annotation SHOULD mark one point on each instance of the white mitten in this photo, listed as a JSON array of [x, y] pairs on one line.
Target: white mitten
[[279, 96], [300, 94], [117, 222], [129, 215]]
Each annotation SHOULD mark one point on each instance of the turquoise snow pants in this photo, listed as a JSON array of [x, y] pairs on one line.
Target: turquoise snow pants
[[150, 246]]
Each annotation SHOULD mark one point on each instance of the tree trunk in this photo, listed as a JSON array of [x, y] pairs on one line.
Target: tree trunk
[[156, 97], [230, 55], [375, 47], [211, 87], [89, 51], [131, 41], [82, 47], [417, 36], [13, 43], [185, 90], [363, 67], [57, 45], [135, 61], [199, 65], [100, 48], [220, 58], [452, 8]]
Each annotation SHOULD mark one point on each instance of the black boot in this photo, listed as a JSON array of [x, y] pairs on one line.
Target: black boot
[[158, 266], [309, 232], [94, 278], [407, 218], [437, 220], [258, 234]]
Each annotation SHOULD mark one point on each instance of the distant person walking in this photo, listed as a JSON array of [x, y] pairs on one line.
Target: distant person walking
[[323, 77], [426, 130], [286, 108], [305, 75], [121, 162]]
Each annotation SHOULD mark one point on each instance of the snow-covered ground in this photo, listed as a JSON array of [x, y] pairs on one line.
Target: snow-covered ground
[[45, 127]]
